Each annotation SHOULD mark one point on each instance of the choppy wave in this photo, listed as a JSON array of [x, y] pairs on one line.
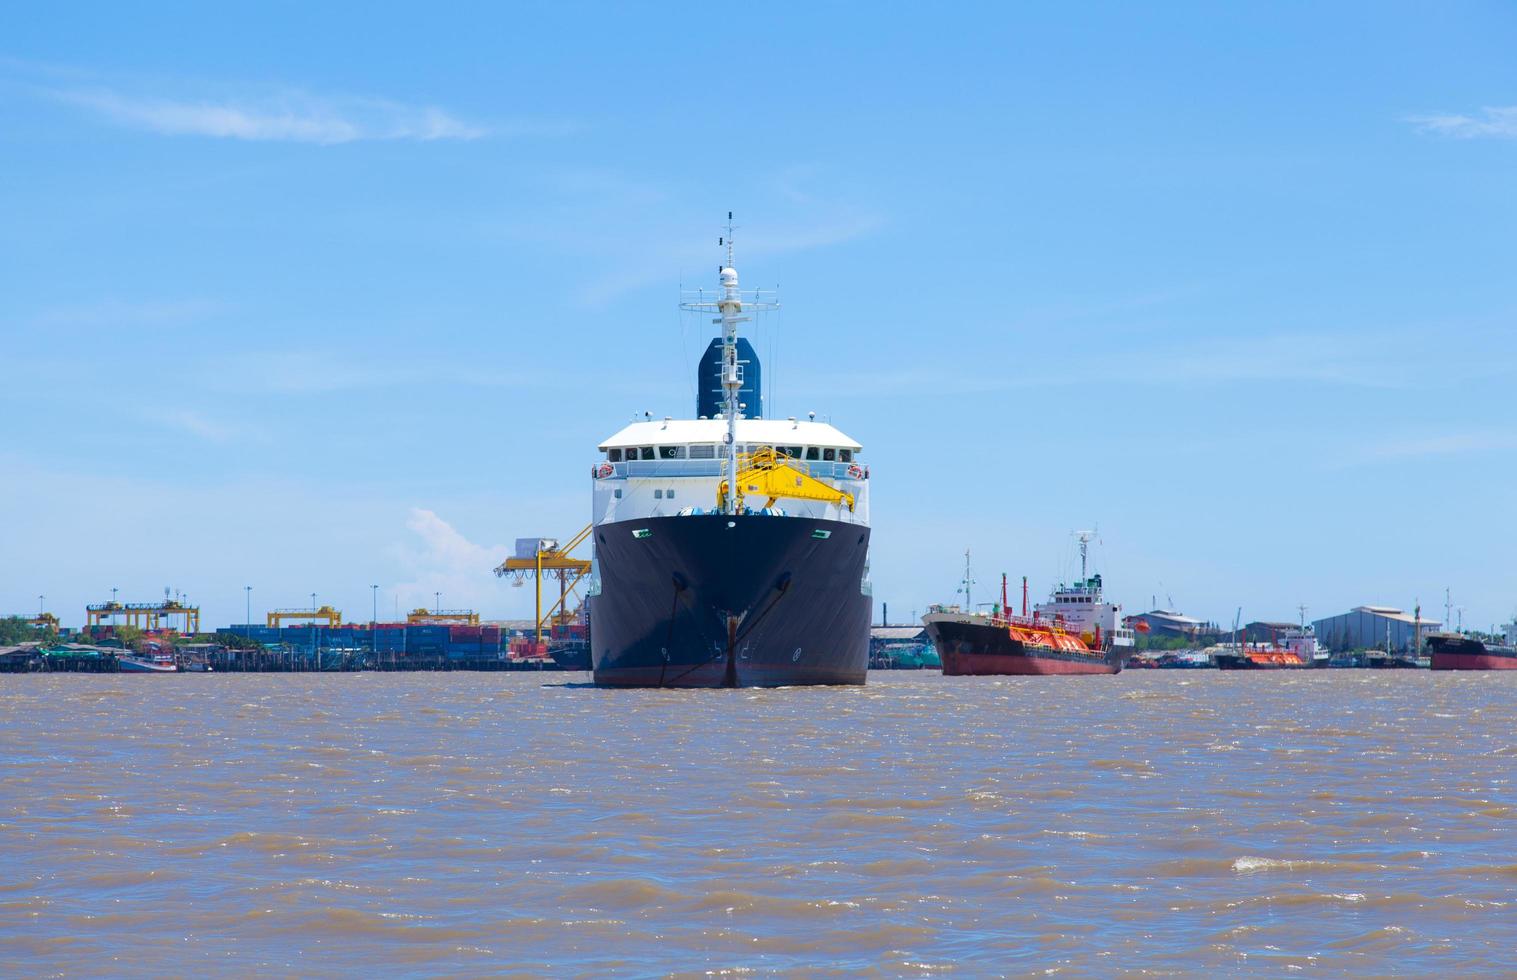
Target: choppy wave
[[475, 823]]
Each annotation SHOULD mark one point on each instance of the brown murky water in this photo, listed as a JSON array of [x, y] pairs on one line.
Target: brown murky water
[[428, 823]]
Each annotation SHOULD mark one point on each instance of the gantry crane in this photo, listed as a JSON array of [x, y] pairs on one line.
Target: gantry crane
[[549, 558], [332, 617], [461, 617], [144, 615], [45, 620]]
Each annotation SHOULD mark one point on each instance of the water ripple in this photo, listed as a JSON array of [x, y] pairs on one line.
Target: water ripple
[[470, 823]]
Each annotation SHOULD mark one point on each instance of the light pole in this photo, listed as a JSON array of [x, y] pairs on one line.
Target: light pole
[[374, 624], [247, 619], [438, 597]]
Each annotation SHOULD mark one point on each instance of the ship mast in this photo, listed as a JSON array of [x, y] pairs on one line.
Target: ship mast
[[1084, 539], [730, 307]]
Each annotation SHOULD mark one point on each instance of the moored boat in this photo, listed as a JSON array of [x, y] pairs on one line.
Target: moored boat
[[1298, 651], [155, 663], [1075, 632], [1455, 651], [975, 645]]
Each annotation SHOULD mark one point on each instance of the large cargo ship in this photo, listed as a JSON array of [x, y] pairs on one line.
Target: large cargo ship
[[731, 549], [1075, 632], [1455, 651]]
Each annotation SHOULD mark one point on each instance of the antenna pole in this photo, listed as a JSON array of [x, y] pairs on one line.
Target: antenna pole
[[1084, 538], [731, 308]]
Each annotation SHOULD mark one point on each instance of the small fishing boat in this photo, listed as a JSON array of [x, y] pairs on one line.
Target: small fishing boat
[[154, 663]]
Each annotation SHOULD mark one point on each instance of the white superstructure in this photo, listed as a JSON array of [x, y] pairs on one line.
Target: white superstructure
[[1083, 608], [670, 467], [666, 467]]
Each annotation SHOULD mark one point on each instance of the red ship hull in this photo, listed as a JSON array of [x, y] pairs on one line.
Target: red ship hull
[[1473, 661], [981, 648], [1464, 653], [1029, 663]]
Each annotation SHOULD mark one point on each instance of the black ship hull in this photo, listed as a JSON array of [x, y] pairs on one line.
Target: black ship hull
[[721, 600]]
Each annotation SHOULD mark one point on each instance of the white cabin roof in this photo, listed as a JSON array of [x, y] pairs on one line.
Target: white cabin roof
[[768, 432]]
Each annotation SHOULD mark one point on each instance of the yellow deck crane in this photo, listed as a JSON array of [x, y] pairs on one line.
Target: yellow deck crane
[[767, 473], [548, 558], [144, 615], [457, 617], [332, 617]]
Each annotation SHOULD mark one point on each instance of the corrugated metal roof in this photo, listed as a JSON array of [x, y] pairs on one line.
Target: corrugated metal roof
[[1389, 612], [769, 432]]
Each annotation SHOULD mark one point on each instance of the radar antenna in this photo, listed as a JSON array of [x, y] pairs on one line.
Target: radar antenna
[[1084, 537], [967, 584]]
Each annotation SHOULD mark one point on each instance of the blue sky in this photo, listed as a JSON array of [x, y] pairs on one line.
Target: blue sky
[[318, 298]]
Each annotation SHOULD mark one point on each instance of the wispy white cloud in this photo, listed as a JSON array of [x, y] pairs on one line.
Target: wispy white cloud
[[196, 424], [1424, 445], [199, 425], [122, 313], [444, 560], [287, 116], [1499, 122], [647, 263], [1336, 360]]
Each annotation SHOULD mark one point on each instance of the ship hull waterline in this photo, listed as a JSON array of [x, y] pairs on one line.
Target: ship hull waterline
[[982, 650], [717, 600]]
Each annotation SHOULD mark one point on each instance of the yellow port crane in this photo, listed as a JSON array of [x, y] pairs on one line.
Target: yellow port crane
[[333, 618], [460, 617], [548, 558], [45, 621], [770, 474], [143, 615]]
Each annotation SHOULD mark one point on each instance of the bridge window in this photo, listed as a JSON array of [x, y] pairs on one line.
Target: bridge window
[[706, 451], [830, 455], [614, 455], [671, 452], [813, 453], [845, 455], [794, 452], [647, 452]]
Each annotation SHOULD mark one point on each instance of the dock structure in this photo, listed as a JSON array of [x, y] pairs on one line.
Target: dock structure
[[148, 616], [423, 617], [326, 615]]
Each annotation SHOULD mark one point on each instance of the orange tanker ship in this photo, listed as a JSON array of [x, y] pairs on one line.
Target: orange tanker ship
[[1075, 632]]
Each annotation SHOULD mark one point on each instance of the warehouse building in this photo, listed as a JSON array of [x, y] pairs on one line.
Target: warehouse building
[[1371, 627]]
